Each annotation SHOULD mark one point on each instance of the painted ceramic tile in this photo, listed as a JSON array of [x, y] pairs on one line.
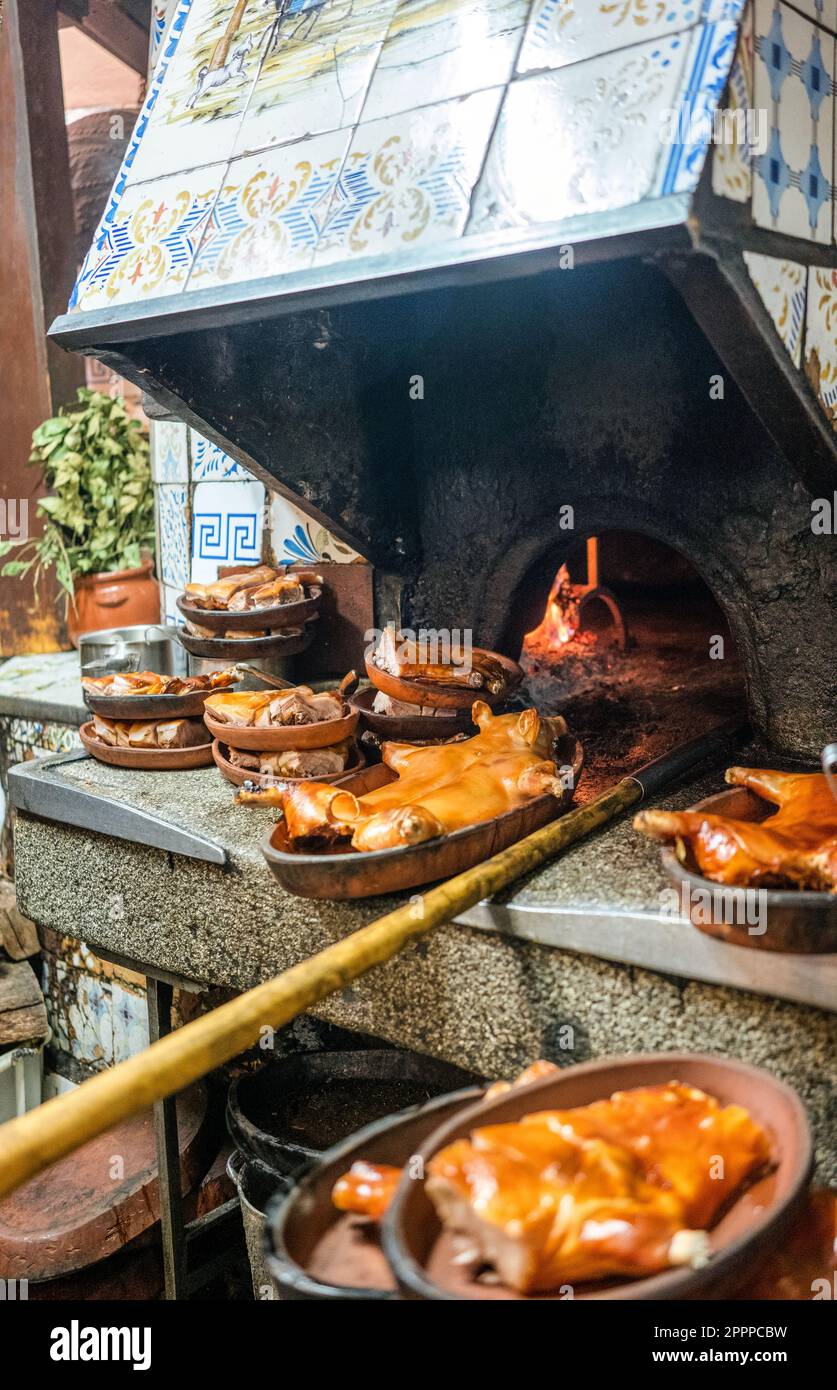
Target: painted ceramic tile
[[227, 522], [567, 31], [129, 1013], [318, 58], [744, 128], [600, 145], [687, 135], [823, 11], [821, 338], [208, 83], [148, 248], [438, 49], [211, 464], [270, 212], [170, 613], [169, 452], [173, 524], [407, 180], [297, 539], [781, 286], [171, 42], [794, 74], [161, 15]]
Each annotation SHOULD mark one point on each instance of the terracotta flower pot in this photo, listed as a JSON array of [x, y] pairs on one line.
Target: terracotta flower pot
[[118, 598]]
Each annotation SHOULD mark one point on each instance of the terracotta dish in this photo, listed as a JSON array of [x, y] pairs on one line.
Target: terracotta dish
[[239, 775], [444, 697], [278, 617], [755, 1224], [275, 738], [150, 759]]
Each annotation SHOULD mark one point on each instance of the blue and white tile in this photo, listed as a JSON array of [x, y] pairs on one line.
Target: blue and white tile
[[271, 211], [162, 12], [173, 528], [438, 49], [599, 145], [794, 81], [169, 452], [823, 11], [295, 538], [148, 248], [781, 287], [711, 49], [170, 613], [821, 339], [745, 129], [318, 62], [407, 180], [560, 32], [227, 526], [211, 464]]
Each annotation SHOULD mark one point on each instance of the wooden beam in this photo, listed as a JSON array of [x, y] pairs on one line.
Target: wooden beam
[[113, 28]]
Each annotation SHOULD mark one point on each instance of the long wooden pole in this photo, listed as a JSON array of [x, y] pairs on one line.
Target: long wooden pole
[[30, 1143]]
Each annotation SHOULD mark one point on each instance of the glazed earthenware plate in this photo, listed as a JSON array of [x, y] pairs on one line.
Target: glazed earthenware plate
[[239, 775], [787, 919], [318, 1252], [278, 616], [277, 737], [189, 704], [149, 759], [752, 1225], [444, 696], [411, 728], [289, 643]]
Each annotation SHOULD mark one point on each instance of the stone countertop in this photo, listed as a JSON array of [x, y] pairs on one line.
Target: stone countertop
[[534, 975], [606, 897], [45, 686]]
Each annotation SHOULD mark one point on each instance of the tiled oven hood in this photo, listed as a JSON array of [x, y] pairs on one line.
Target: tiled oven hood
[[295, 156]]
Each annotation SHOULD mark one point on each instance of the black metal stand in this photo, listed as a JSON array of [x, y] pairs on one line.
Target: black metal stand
[[159, 994]]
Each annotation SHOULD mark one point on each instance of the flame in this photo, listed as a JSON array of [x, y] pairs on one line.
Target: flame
[[560, 621]]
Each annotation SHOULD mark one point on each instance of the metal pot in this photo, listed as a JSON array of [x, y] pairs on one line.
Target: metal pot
[[143, 648]]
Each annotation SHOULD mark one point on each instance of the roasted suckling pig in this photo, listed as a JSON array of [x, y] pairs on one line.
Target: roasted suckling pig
[[437, 789], [150, 733], [472, 668], [261, 587], [262, 709], [368, 1188], [149, 683], [795, 847], [625, 1186]]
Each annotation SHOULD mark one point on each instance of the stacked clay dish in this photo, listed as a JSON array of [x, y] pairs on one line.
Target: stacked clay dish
[[267, 736]]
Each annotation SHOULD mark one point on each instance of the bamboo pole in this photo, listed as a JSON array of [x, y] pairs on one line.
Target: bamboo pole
[[33, 1141]]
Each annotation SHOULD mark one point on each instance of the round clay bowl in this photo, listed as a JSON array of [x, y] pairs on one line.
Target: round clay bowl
[[405, 728], [274, 740], [149, 759], [443, 697], [240, 649], [280, 615], [189, 704], [794, 920], [755, 1224], [239, 775], [318, 1252]]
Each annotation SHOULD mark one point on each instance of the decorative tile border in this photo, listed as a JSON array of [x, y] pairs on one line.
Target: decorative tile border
[[821, 339], [407, 180], [781, 287], [148, 247], [711, 51]]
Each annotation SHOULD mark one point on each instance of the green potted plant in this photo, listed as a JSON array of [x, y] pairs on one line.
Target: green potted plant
[[98, 522]]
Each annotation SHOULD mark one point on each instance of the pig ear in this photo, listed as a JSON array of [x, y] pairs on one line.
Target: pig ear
[[481, 714], [529, 725]]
